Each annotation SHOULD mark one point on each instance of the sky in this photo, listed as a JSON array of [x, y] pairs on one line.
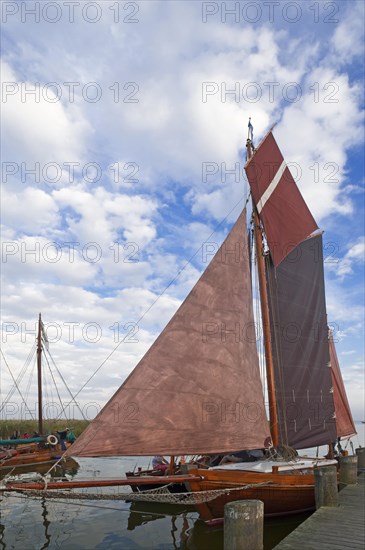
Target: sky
[[123, 134]]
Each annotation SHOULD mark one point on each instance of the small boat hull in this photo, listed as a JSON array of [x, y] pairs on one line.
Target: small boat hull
[[173, 487], [31, 458]]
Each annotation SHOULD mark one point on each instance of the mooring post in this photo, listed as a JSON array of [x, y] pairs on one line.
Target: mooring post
[[244, 525], [360, 453], [348, 470], [325, 486]]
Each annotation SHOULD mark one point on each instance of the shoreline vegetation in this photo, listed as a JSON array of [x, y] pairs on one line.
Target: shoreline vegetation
[[8, 427]]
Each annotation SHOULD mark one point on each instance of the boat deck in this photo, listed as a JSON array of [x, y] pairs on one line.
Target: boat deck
[[337, 528], [265, 466]]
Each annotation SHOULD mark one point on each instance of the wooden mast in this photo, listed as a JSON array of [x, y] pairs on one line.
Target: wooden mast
[[171, 467], [264, 314], [39, 370]]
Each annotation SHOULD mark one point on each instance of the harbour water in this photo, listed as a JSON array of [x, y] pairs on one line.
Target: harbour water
[[40, 523]]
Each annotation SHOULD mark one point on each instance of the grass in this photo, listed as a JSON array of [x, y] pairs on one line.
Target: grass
[[7, 427]]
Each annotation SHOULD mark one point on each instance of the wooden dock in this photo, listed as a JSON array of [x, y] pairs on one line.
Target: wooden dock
[[337, 528]]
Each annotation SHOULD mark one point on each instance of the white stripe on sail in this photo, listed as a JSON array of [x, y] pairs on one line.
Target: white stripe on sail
[[271, 188]]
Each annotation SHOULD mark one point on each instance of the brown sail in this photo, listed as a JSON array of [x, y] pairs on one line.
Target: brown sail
[[344, 421], [198, 388], [286, 218], [300, 347]]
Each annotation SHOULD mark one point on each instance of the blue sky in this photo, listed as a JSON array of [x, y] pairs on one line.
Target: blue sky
[[129, 132]]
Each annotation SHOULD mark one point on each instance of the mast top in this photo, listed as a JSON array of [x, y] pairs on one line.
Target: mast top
[[250, 130], [249, 143]]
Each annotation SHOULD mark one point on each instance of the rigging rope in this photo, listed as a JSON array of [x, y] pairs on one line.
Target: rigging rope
[[27, 389], [20, 375], [55, 385], [16, 385], [73, 398], [283, 452]]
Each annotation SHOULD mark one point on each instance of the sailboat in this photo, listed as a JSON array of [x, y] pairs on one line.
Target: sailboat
[[40, 450], [198, 390]]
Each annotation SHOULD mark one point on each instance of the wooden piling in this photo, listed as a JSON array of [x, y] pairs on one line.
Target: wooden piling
[[360, 453], [348, 470], [325, 486], [244, 525]]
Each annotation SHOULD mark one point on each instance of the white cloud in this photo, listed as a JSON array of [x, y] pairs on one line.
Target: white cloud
[[35, 258], [39, 129], [31, 210], [321, 160], [348, 37], [357, 251], [338, 302], [100, 215], [353, 376], [354, 256]]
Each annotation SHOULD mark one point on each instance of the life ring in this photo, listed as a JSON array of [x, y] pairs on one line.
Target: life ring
[[52, 439]]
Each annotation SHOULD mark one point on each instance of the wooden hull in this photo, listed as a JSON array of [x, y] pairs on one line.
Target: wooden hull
[[31, 458], [281, 494]]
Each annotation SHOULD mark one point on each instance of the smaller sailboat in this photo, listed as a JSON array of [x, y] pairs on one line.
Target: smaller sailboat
[[29, 453]]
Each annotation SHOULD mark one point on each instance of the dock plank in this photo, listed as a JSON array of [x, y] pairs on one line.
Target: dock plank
[[337, 528]]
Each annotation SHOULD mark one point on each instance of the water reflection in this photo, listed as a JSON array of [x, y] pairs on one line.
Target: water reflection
[[182, 520], [2, 545], [187, 531], [145, 512], [46, 524]]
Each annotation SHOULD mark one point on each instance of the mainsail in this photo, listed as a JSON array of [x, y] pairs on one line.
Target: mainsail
[[298, 322], [285, 216], [296, 302], [344, 421], [198, 388]]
